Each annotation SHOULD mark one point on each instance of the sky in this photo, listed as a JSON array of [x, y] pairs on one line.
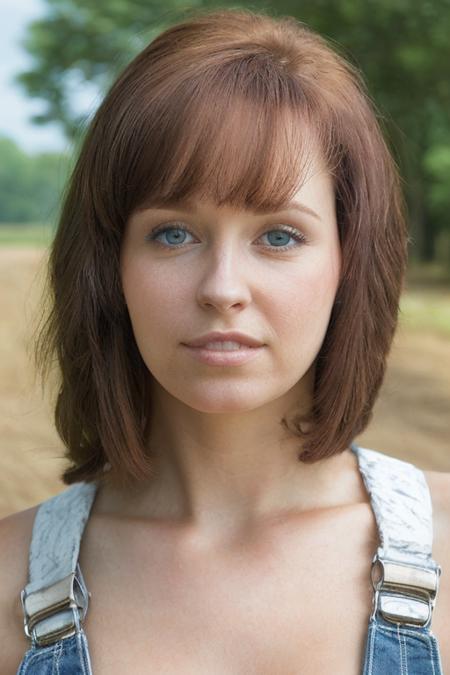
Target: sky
[[15, 107]]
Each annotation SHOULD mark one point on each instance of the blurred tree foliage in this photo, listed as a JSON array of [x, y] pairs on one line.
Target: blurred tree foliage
[[401, 46], [30, 185]]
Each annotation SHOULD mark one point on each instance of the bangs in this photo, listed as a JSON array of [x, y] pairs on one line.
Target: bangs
[[242, 135]]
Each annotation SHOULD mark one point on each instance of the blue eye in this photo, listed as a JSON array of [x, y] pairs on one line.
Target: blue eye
[[280, 239], [176, 235]]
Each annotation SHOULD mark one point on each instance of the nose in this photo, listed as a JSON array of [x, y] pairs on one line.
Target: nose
[[223, 283]]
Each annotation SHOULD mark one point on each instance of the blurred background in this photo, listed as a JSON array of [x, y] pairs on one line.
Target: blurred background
[[58, 57]]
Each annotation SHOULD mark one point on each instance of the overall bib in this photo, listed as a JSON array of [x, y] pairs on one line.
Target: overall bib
[[404, 576]]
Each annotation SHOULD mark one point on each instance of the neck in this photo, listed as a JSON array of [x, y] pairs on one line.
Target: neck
[[217, 474]]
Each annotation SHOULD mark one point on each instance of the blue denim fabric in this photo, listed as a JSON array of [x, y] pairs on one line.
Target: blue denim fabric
[[400, 650], [402, 507], [69, 656], [390, 650]]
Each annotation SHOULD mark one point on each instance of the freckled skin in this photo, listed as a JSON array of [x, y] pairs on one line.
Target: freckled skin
[[225, 280], [227, 274]]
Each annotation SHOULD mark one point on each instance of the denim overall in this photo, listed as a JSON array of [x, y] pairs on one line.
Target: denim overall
[[404, 576]]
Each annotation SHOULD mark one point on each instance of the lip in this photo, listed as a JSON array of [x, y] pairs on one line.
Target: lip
[[221, 357], [217, 336]]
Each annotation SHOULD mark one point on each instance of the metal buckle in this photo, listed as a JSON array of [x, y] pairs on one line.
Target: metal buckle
[[405, 593], [66, 597]]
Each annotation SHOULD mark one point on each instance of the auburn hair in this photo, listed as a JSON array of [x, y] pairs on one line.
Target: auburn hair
[[221, 105]]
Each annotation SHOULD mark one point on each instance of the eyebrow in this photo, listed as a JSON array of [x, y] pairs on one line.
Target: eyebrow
[[298, 206], [188, 204]]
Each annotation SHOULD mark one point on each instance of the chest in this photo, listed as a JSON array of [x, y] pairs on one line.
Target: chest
[[296, 602]]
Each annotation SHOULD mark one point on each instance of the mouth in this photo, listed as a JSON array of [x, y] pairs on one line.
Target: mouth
[[224, 354], [227, 346], [229, 340]]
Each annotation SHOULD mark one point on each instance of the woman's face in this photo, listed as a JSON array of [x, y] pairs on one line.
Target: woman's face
[[273, 277]]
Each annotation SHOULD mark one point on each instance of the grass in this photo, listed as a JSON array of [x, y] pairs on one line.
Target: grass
[[426, 309], [27, 234]]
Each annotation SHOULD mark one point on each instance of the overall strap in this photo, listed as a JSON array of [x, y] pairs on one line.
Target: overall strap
[[408, 577], [56, 592]]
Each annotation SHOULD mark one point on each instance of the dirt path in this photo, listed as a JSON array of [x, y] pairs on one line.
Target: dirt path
[[411, 417]]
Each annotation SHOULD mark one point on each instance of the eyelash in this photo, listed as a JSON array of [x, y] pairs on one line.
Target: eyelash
[[295, 234]]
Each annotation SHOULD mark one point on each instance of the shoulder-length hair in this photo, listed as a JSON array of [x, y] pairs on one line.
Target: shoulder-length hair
[[221, 105]]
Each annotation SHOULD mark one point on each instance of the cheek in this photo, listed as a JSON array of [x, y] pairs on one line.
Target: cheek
[[301, 314], [146, 295], [157, 302], [308, 295]]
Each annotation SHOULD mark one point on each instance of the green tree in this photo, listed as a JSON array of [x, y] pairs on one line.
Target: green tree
[[30, 185], [401, 46]]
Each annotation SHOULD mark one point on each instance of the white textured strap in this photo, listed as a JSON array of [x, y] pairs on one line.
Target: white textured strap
[[402, 506], [58, 527], [408, 581], [56, 599]]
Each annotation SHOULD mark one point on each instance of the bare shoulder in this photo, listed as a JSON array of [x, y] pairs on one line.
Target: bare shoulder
[[439, 485], [15, 538]]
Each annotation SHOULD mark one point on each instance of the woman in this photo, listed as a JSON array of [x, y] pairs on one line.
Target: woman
[[225, 277]]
